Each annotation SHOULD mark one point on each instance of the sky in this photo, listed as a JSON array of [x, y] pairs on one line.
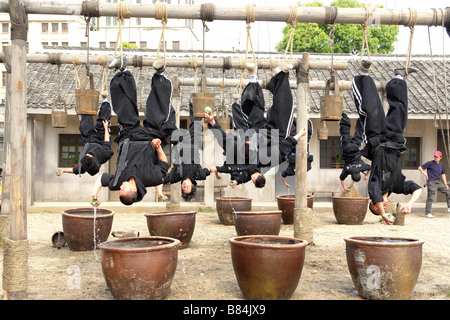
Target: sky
[[266, 35]]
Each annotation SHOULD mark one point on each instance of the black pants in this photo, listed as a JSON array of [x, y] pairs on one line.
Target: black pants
[[250, 113], [350, 145], [160, 115], [281, 114], [95, 133], [377, 126]]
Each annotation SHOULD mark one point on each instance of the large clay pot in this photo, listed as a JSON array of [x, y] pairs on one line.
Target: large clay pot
[[257, 222], [227, 207], [349, 210], [267, 267], [78, 227], [286, 204], [139, 268], [384, 268], [174, 224]]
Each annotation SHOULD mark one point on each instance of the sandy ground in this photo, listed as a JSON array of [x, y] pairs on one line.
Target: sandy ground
[[205, 270]]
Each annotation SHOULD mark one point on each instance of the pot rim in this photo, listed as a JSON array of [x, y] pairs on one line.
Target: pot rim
[[292, 196], [174, 243], [236, 241], [353, 198], [234, 198], [359, 240], [103, 214], [261, 212], [169, 213]]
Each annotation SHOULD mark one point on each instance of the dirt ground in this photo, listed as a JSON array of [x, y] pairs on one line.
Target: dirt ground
[[205, 270]]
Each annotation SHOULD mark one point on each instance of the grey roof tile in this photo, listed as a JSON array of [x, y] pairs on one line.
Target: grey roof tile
[[42, 81]]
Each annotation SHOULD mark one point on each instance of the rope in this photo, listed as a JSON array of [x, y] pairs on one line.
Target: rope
[[161, 14], [193, 65], [408, 55], [243, 63], [15, 265], [292, 20], [412, 17], [102, 63], [365, 41], [55, 59], [122, 13], [76, 62]]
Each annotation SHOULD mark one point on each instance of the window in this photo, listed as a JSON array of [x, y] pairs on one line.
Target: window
[[4, 75], [102, 44], [112, 44], [64, 44], [54, 27], [44, 44], [83, 44], [44, 27], [330, 151], [55, 44], [70, 146], [65, 27], [143, 44], [5, 27], [411, 158], [176, 45]]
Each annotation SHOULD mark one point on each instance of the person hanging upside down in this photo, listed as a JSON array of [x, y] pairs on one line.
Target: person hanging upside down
[[187, 168], [351, 153], [290, 170], [141, 160], [384, 139], [97, 144]]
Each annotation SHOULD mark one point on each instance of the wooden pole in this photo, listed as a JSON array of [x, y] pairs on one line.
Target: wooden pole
[[211, 12], [302, 214], [16, 248], [220, 63], [6, 166], [175, 193]]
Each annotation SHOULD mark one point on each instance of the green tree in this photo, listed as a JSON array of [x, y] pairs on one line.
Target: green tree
[[348, 38]]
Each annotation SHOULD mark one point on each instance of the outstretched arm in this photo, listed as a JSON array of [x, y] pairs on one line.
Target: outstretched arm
[[156, 143], [95, 190], [59, 172], [415, 195], [105, 126]]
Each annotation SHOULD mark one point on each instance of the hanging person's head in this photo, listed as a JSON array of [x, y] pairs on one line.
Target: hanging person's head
[[258, 179], [90, 164], [356, 176], [188, 189], [128, 192]]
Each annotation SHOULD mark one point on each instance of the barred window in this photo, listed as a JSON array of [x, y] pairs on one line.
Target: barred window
[[70, 146]]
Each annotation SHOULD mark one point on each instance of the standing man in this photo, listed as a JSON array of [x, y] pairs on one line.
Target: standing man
[[435, 171]]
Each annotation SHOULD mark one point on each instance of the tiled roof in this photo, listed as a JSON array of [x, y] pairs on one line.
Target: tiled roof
[[42, 80]]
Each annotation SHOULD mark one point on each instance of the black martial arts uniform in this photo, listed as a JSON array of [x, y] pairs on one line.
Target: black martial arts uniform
[[383, 135], [237, 163], [290, 170], [351, 153], [94, 138], [186, 154], [137, 158]]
